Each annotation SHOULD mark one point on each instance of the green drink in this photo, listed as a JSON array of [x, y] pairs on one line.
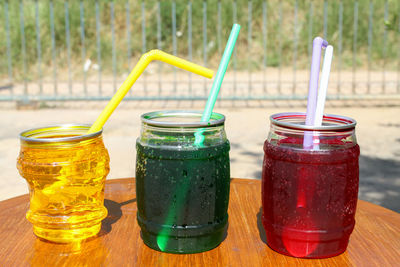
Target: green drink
[[182, 189]]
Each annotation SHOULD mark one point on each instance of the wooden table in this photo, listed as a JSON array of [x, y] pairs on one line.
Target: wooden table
[[374, 242]]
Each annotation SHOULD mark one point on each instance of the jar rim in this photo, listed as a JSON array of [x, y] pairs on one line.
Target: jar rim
[[27, 135], [343, 122], [217, 119]]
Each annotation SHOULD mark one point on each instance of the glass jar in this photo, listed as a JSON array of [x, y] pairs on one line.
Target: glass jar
[[309, 194], [182, 187], [66, 171]]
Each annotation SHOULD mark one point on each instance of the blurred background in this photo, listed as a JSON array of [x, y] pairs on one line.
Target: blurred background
[[62, 60], [82, 50]]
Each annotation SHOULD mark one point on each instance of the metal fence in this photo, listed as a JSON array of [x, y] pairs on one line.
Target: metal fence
[[262, 67]]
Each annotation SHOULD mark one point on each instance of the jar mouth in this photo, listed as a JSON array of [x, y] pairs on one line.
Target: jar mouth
[[296, 120], [67, 133], [181, 119]]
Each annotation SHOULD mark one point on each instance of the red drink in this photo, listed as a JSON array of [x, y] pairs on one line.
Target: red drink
[[309, 196]]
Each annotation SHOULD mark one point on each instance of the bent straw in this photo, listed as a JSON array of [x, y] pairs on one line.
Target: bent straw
[[134, 75], [219, 77], [123, 90], [323, 88], [318, 44], [181, 191]]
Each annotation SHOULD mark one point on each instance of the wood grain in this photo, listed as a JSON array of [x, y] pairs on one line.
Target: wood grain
[[374, 242]]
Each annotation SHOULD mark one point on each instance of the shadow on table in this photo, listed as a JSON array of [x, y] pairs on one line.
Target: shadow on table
[[380, 182], [261, 230], [114, 214]]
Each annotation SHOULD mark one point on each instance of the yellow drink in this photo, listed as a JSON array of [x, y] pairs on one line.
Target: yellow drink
[[66, 170]]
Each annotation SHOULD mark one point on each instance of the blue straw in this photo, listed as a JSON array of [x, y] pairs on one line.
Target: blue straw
[[219, 77]]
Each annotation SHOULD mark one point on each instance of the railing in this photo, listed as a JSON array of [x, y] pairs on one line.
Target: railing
[[82, 50]]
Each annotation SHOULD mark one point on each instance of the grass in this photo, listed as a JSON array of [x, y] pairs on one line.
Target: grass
[[280, 36]]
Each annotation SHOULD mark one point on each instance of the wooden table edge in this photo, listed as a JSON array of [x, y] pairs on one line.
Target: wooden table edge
[[233, 180], [252, 244]]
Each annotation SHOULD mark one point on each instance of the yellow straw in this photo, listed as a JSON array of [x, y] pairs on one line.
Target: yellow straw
[[134, 75]]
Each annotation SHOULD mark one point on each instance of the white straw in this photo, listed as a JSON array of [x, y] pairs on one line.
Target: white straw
[[323, 87]]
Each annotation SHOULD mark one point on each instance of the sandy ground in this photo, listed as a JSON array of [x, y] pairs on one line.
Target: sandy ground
[[247, 126]]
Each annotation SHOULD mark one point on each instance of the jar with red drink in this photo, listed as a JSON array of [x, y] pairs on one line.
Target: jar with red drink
[[309, 193]]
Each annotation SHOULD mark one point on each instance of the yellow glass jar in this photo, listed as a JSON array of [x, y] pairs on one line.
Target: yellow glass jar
[[66, 171]]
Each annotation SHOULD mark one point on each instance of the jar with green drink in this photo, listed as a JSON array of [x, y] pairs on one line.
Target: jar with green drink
[[182, 186]]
